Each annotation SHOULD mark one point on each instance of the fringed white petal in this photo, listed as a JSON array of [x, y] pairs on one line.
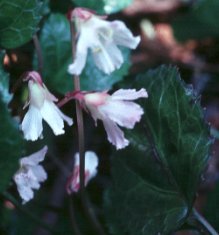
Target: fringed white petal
[[81, 55], [51, 115], [25, 182], [124, 113], [26, 193], [107, 57], [129, 94], [114, 134], [103, 60], [32, 124], [122, 35]]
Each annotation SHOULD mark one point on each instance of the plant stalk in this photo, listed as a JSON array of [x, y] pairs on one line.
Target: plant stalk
[[39, 54], [85, 200]]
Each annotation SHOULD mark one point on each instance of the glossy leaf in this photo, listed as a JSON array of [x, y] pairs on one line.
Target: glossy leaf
[[155, 179], [56, 49], [11, 142], [55, 40], [104, 6], [200, 22], [18, 21]]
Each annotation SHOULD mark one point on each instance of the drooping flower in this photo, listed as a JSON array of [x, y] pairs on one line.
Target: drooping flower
[[102, 38], [114, 109], [30, 174], [91, 164], [41, 106]]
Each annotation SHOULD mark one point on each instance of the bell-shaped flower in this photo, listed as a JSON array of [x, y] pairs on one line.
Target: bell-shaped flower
[[102, 38], [41, 106], [114, 109], [91, 164], [30, 174]]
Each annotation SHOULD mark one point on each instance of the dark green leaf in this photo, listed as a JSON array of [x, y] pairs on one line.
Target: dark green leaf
[[18, 21], [11, 143], [212, 207], [199, 22], [4, 83], [56, 46], [103, 6], [155, 179]]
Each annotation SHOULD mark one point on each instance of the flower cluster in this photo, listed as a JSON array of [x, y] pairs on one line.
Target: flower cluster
[[117, 109]]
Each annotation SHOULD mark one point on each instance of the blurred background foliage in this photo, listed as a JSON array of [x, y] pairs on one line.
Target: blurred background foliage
[[183, 33]]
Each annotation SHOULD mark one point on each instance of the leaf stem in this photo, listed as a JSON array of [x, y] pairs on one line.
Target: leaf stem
[[39, 53], [198, 221], [9, 197]]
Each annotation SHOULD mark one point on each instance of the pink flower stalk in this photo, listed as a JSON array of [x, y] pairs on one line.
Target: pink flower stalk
[[102, 38], [114, 109], [30, 174], [91, 164], [41, 106]]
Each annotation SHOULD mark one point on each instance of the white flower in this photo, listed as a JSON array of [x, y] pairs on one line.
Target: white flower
[[103, 38], [30, 174], [91, 164], [41, 106], [115, 109]]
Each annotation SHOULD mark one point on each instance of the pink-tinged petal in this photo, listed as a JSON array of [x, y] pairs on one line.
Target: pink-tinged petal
[[123, 36], [32, 124], [114, 134], [129, 94], [93, 109], [30, 174], [34, 158], [95, 98], [73, 182], [81, 55], [25, 182], [51, 114], [25, 192], [124, 113]]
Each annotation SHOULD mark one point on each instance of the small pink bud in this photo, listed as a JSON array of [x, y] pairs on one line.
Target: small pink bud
[[91, 164]]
